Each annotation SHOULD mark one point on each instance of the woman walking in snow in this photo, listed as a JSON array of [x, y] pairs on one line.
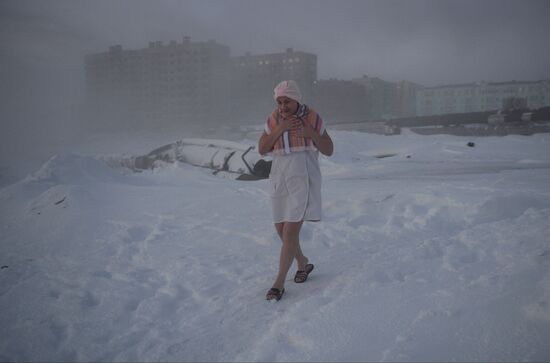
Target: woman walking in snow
[[294, 135]]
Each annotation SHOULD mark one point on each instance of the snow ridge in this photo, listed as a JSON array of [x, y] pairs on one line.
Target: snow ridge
[[416, 260]]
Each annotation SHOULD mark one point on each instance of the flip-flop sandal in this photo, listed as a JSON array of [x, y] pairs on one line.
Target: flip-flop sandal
[[301, 275], [274, 294]]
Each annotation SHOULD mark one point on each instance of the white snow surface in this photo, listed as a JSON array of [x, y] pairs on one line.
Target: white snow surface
[[440, 252]]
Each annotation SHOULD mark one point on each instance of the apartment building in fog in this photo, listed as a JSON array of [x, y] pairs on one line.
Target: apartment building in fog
[[340, 100], [253, 78], [163, 84], [479, 97], [406, 98], [387, 100]]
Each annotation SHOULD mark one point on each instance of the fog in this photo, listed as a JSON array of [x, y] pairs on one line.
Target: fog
[[426, 42]]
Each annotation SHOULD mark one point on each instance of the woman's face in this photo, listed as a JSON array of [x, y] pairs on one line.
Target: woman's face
[[286, 106]]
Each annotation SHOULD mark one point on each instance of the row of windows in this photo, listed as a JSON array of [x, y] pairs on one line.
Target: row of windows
[[267, 62], [428, 108], [489, 101], [481, 99], [148, 64], [492, 90]]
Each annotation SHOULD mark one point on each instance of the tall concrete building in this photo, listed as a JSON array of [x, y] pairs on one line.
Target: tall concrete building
[[478, 97], [340, 100], [381, 97], [406, 98], [253, 78], [365, 98], [164, 84], [387, 100]]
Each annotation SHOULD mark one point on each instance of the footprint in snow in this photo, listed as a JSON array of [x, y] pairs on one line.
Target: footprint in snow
[[132, 305], [54, 294], [89, 300], [102, 274], [137, 234]]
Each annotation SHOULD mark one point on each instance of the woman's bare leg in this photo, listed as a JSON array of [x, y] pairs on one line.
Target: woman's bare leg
[[301, 260], [289, 250], [279, 227]]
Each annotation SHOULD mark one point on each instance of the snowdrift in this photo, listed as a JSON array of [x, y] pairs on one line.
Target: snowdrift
[[429, 250]]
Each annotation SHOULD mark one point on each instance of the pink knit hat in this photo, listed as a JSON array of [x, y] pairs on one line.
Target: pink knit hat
[[288, 89]]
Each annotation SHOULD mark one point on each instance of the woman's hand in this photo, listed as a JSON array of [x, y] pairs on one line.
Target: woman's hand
[[290, 123], [322, 142], [307, 131], [266, 142]]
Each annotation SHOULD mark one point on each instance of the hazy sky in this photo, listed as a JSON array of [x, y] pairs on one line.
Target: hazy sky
[[426, 41], [429, 42]]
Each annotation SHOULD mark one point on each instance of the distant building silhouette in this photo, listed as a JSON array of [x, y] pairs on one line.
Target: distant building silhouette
[[340, 100], [388, 100], [189, 83], [253, 78], [365, 99], [199, 85], [406, 98], [161, 85], [479, 97], [381, 97]]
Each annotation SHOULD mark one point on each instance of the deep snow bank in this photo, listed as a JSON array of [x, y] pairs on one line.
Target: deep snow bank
[[439, 256]]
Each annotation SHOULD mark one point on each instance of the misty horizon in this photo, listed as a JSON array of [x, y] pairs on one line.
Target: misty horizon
[[428, 42], [425, 42], [167, 42]]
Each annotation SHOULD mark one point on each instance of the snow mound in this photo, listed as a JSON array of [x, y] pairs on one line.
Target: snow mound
[[75, 169], [443, 256]]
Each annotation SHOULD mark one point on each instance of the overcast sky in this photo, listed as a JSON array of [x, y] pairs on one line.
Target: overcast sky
[[429, 42], [425, 41]]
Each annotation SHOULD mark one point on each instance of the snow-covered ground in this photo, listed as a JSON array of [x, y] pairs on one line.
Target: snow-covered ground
[[429, 250]]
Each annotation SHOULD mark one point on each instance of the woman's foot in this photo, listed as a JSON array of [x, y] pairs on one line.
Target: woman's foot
[[302, 263], [301, 275], [275, 294]]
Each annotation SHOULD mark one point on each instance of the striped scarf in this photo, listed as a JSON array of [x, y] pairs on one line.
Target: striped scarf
[[290, 141]]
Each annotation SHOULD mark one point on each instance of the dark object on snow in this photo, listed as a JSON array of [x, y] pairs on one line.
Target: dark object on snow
[[3, 267], [262, 168], [60, 201], [471, 144], [382, 156]]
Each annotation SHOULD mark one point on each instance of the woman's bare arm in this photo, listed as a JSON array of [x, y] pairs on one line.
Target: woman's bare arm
[[267, 141], [322, 142]]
